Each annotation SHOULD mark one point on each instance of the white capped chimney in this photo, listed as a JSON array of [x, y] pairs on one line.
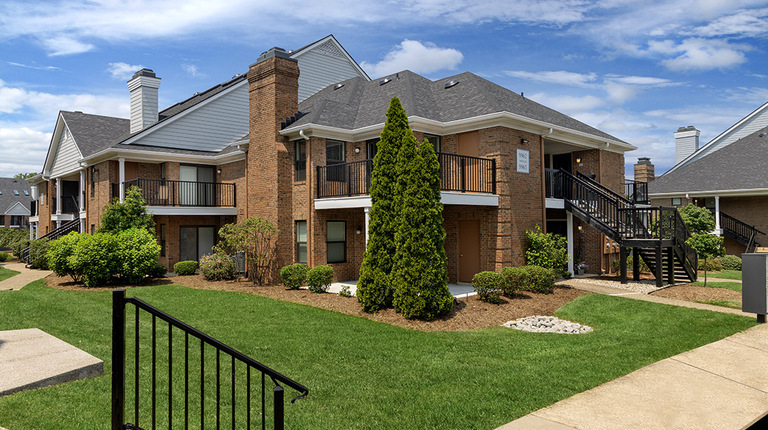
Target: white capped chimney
[[143, 87], [686, 142]]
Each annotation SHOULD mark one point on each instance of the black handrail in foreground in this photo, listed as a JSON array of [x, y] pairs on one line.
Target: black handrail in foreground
[[119, 302]]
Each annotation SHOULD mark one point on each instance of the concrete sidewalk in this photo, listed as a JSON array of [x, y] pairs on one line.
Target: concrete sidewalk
[[24, 277]]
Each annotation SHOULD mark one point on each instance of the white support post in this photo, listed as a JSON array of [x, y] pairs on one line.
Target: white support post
[[569, 234], [367, 220], [121, 178], [58, 202], [718, 231], [82, 190], [31, 231]]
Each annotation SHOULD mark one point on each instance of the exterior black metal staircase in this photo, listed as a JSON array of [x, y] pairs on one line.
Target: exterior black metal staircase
[[657, 234], [58, 232], [740, 231]]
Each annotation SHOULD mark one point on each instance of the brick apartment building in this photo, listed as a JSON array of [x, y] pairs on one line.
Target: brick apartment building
[[304, 159]]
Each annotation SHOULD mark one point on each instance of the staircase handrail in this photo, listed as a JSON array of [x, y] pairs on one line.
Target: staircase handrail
[[689, 257], [602, 188], [54, 234], [575, 189]]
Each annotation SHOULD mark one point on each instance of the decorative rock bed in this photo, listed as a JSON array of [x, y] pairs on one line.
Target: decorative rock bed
[[547, 324]]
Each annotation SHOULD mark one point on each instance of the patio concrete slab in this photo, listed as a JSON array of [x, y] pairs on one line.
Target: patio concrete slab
[[32, 358], [720, 385]]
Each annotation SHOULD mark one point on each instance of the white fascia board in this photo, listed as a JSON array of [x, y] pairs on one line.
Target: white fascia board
[[62, 217], [158, 125], [446, 197], [343, 202], [555, 203], [190, 211], [504, 119], [160, 157], [711, 193]]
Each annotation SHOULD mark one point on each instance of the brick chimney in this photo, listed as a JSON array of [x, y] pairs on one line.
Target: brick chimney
[[644, 170], [273, 94], [143, 88], [686, 142]]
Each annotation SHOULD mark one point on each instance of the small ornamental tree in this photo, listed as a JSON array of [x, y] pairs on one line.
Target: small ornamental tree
[[374, 288], [697, 219], [419, 274], [256, 238], [707, 246], [132, 213]]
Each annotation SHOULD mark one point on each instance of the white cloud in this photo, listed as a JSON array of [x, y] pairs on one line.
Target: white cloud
[[23, 150], [743, 23], [65, 45], [418, 57], [123, 71], [639, 80], [570, 105], [754, 96], [556, 77], [192, 71], [15, 100], [29, 66], [705, 54]]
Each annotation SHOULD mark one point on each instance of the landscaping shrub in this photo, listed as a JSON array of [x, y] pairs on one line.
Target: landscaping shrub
[[38, 253], [137, 253], [95, 258], [513, 279], [18, 246], [713, 265], [185, 268], [319, 278], [9, 236], [534, 279], [488, 286], [547, 250], [59, 252], [730, 262], [4, 256], [158, 271], [294, 275], [256, 238], [345, 292], [217, 267], [132, 213]]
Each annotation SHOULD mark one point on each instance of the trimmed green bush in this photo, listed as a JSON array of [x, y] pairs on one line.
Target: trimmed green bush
[[4, 256], [138, 252], [158, 271], [294, 275], [713, 265], [319, 278], [513, 279], [59, 252], [547, 250], [730, 262], [185, 268], [217, 267], [95, 257], [488, 286], [18, 246], [534, 279], [38, 253], [9, 236]]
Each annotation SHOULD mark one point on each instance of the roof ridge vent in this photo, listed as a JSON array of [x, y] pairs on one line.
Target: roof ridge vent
[[451, 83]]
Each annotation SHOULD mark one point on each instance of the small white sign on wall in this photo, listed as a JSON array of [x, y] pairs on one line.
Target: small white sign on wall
[[523, 161]]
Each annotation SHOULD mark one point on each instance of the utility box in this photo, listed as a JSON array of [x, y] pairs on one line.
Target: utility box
[[754, 284]]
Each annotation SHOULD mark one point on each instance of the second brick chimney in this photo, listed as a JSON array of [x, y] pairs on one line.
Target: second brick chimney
[[644, 170]]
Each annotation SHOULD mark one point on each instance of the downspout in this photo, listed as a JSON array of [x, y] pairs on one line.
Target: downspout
[[310, 172]]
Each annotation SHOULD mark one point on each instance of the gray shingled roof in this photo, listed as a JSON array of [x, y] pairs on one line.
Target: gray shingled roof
[[93, 133], [8, 198], [738, 166], [361, 103]]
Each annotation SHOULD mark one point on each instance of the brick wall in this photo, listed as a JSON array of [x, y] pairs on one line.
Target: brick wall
[[173, 225], [235, 173], [749, 210]]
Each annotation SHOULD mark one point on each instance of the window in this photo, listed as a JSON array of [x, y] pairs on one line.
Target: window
[[93, 229], [677, 201], [301, 242], [335, 154], [15, 192], [26, 193], [196, 241], [163, 171], [434, 140], [162, 240], [372, 147], [16, 220], [336, 239], [301, 160], [93, 180]]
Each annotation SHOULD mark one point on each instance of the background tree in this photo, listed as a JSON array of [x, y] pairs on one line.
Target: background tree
[[419, 274], [24, 175], [256, 238], [701, 223], [374, 287], [132, 213]]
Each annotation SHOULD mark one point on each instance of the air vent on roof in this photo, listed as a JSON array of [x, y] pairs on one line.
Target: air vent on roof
[[385, 81], [15, 192], [451, 83], [337, 86], [26, 193], [763, 134]]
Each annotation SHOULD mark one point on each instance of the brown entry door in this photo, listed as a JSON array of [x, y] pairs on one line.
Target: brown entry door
[[469, 249]]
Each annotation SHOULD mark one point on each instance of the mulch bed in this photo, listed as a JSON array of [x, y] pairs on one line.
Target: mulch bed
[[693, 293], [467, 314]]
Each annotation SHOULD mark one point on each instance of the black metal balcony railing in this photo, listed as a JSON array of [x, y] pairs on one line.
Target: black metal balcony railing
[[69, 205], [637, 192], [457, 173], [165, 192]]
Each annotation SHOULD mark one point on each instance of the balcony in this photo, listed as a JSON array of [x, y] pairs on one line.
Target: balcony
[[169, 197], [459, 175]]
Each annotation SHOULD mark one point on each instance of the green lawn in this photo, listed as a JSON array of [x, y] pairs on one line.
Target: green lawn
[[7, 273], [724, 274], [362, 374], [735, 286], [726, 303]]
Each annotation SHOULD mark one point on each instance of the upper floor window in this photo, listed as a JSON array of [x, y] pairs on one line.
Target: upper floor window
[[372, 148], [434, 140], [677, 201], [335, 152], [301, 160]]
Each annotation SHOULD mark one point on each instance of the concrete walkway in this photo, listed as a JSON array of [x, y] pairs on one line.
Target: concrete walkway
[[24, 277], [722, 385]]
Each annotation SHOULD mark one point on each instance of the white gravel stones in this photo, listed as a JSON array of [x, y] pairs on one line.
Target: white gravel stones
[[642, 287], [547, 324]]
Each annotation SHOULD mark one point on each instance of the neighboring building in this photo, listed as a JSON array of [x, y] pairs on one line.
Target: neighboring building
[[15, 203], [304, 163], [727, 175]]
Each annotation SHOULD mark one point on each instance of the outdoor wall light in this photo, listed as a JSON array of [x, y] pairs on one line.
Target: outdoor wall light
[[218, 171], [578, 159], [580, 227], [523, 141], [359, 230], [357, 150]]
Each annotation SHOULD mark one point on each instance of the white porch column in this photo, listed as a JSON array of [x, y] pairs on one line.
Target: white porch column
[[718, 231], [31, 231], [82, 190], [121, 177], [569, 236], [367, 211], [58, 202]]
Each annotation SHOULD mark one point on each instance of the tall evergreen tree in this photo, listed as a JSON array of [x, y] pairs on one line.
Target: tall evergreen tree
[[374, 288], [419, 274]]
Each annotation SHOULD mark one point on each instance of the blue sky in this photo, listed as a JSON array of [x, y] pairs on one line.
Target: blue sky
[[637, 70]]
